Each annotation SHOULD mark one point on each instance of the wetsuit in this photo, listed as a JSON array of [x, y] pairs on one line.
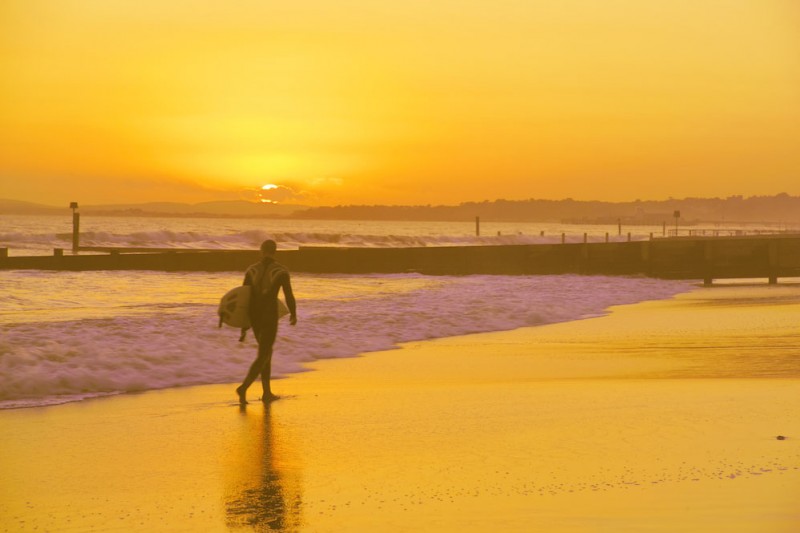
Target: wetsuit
[[267, 278]]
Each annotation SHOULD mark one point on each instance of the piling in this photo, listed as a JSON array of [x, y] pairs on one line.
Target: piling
[[76, 239], [76, 225], [477, 226]]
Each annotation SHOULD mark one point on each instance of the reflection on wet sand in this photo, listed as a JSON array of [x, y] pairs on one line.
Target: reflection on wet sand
[[263, 488]]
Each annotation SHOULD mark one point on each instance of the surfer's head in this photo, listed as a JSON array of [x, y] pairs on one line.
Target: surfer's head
[[268, 247]]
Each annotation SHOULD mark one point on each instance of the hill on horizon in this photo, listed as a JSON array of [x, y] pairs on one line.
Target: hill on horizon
[[781, 209]]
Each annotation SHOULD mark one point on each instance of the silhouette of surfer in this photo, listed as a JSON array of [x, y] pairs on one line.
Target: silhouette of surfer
[[266, 278]]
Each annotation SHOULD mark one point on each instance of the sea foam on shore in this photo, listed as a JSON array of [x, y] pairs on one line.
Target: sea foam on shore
[[654, 417], [67, 335]]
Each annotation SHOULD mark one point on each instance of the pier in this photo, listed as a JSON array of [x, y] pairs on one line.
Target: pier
[[705, 258]]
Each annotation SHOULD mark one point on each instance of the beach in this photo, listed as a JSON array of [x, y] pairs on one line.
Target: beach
[[542, 262], [663, 415]]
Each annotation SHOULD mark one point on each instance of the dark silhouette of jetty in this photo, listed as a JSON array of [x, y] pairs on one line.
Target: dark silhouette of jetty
[[706, 258]]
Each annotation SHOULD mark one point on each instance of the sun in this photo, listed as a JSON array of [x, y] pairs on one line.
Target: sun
[[272, 193], [268, 187]]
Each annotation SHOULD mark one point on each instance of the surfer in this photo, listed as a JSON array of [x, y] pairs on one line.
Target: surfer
[[266, 278]]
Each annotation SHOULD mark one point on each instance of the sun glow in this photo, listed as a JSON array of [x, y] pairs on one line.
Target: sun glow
[[397, 103], [268, 187]]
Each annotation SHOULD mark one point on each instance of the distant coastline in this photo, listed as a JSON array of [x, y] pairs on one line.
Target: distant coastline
[[781, 209]]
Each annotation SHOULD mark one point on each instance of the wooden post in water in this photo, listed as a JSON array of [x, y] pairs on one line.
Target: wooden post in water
[[563, 238], [606, 236], [76, 225], [664, 229], [619, 226], [477, 226]]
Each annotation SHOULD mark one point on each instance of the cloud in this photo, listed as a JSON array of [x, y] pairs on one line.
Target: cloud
[[311, 190], [273, 193]]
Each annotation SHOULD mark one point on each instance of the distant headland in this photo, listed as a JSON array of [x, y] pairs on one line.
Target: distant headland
[[780, 209]]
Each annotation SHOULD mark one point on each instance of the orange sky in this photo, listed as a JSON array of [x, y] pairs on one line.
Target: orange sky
[[413, 102]]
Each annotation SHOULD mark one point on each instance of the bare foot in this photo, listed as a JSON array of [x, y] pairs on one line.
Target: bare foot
[[242, 395], [269, 397]]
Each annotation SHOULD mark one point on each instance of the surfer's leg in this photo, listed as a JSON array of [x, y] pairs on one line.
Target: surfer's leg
[[254, 370], [241, 391], [266, 376], [265, 335], [252, 374], [269, 333]]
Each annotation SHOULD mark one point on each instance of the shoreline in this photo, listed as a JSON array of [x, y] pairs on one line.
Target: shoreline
[[645, 418], [73, 354]]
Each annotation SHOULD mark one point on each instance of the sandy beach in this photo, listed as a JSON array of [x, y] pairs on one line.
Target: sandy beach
[[660, 416]]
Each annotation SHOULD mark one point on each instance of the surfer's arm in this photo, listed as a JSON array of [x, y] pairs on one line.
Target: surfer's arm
[[286, 284]]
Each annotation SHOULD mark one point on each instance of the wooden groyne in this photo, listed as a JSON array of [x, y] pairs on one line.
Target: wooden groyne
[[708, 258]]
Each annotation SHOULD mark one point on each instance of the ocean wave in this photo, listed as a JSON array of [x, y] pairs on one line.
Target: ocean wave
[[41, 361], [249, 240]]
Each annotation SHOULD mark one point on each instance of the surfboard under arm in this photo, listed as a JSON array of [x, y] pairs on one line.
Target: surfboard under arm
[[234, 307]]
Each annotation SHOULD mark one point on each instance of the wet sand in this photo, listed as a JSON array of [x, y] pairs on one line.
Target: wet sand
[[662, 416]]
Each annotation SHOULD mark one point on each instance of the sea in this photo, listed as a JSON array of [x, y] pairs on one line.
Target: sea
[[72, 336]]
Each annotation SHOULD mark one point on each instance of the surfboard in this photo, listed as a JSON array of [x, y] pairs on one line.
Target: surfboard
[[234, 307]]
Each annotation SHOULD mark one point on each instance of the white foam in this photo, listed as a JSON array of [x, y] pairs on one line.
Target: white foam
[[140, 330], [249, 240], [39, 235], [26, 235]]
